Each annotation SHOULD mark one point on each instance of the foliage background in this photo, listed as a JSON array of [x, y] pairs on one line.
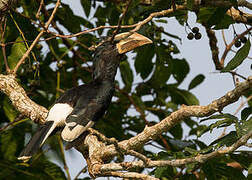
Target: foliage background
[[59, 64]]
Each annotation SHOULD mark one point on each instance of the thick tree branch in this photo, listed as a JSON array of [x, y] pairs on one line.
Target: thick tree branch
[[98, 152], [20, 100]]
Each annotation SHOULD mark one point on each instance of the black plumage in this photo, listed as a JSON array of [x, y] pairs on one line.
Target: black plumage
[[78, 108]]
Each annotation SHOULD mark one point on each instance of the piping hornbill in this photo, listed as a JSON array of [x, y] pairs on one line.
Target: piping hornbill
[[78, 108]]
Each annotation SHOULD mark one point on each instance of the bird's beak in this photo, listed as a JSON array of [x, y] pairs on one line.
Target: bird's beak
[[129, 41]]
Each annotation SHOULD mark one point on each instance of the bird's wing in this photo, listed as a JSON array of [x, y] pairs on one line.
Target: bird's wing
[[82, 118]]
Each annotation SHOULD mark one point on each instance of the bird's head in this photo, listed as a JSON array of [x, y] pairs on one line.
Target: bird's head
[[109, 52]]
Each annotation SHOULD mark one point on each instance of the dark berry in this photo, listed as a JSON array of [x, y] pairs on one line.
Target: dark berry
[[198, 36], [195, 30], [237, 43], [243, 39], [190, 36]]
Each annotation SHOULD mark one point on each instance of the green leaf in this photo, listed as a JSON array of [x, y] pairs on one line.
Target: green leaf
[[17, 51], [143, 61], [216, 168], [180, 69], [240, 56], [243, 158], [176, 131], [86, 6], [127, 74], [188, 97], [12, 141], [246, 112], [244, 128], [227, 140], [164, 172], [188, 177], [9, 110], [138, 102], [162, 72], [221, 116], [199, 130], [196, 81], [69, 20], [191, 151], [224, 23], [221, 123], [161, 21], [190, 4], [52, 170], [250, 169], [211, 16]]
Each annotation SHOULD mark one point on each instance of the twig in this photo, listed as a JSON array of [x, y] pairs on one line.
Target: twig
[[120, 21], [242, 104], [19, 118], [118, 147], [3, 45], [83, 170], [223, 37], [156, 14], [37, 38], [225, 42], [23, 36], [63, 157], [228, 47], [236, 74], [39, 9]]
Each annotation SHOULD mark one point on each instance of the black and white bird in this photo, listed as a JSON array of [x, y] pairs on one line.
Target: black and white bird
[[80, 107]]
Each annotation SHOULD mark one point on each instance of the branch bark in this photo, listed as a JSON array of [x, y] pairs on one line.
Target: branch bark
[[20, 100], [96, 152]]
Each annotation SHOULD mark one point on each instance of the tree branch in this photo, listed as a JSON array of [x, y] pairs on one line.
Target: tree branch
[[98, 152], [20, 100], [214, 48], [245, 3]]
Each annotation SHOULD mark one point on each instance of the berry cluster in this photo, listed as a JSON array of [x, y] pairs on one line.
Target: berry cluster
[[194, 34], [240, 41]]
